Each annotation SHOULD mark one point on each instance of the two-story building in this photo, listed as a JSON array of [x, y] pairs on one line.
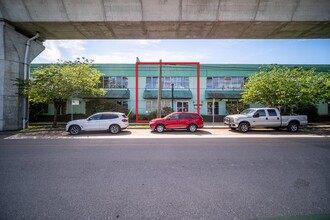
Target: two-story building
[[220, 85]]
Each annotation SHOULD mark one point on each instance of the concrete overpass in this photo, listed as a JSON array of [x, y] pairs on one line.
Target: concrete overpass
[[20, 20], [169, 19]]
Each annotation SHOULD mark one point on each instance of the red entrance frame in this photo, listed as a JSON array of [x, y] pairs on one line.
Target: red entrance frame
[[163, 63]]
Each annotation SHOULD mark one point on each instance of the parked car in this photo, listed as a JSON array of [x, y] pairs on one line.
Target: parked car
[[178, 120], [102, 121], [264, 118]]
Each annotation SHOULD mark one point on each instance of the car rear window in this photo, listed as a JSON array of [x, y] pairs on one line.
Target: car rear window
[[124, 116]]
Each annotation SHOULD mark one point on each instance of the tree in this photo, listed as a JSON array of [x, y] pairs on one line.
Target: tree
[[284, 87], [60, 82]]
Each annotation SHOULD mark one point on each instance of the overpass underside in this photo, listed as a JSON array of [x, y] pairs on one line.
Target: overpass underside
[[178, 29], [169, 19]]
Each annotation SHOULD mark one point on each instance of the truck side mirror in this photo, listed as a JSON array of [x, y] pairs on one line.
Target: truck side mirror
[[256, 115]]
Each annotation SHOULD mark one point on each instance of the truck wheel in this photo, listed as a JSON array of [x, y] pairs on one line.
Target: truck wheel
[[243, 127], [293, 127]]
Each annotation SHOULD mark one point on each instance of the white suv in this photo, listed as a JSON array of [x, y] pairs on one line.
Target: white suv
[[112, 121]]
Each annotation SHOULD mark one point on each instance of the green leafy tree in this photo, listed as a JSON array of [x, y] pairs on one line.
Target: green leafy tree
[[284, 87], [60, 82]]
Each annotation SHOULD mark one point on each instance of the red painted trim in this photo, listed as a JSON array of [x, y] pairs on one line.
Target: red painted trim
[[136, 92], [163, 63], [198, 87]]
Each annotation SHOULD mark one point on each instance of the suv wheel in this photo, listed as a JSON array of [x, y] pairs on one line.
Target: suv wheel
[[160, 128], [74, 129], [114, 129], [192, 128]]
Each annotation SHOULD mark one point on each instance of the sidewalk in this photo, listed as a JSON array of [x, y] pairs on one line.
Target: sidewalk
[[220, 125], [207, 125]]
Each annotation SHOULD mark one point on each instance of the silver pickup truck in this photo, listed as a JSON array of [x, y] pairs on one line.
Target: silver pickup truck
[[264, 118]]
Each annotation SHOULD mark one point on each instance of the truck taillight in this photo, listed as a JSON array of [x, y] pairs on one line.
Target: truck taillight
[[124, 120]]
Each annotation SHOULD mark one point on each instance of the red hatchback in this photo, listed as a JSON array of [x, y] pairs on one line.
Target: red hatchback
[[178, 120]]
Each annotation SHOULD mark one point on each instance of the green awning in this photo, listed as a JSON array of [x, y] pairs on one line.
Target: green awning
[[167, 94], [221, 94], [118, 94]]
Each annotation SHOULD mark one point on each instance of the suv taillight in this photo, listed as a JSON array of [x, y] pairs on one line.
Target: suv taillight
[[124, 120]]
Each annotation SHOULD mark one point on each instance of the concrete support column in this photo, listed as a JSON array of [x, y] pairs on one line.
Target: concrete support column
[[12, 52]]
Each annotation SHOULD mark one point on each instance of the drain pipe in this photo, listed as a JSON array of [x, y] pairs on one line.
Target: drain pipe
[[25, 76]]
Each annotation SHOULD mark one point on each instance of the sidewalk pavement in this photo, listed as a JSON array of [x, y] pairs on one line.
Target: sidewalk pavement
[[325, 124], [207, 125], [220, 125]]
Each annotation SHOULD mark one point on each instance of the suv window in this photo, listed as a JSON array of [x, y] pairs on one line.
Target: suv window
[[191, 116], [182, 116], [95, 117], [175, 116], [109, 116]]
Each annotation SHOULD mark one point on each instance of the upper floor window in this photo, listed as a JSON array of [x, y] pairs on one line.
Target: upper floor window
[[233, 82], [114, 82], [178, 82]]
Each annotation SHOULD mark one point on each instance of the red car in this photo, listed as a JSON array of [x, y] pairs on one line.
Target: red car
[[178, 120]]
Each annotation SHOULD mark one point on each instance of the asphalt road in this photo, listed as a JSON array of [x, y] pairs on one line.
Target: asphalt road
[[178, 177]]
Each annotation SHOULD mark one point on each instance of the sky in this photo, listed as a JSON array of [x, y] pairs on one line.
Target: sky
[[296, 51]]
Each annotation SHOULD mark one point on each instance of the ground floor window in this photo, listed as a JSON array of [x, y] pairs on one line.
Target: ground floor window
[[151, 105], [123, 103], [210, 108], [182, 106]]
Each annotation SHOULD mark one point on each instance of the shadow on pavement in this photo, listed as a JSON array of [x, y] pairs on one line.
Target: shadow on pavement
[[101, 133], [271, 131], [181, 132]]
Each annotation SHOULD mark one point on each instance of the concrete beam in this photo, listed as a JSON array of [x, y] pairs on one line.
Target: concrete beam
[[144, 19]]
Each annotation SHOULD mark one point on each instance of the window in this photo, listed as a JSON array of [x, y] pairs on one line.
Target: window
[[210, 108], [152, 83], [187, 116], [235, 82], [96, 117], [123, 103], [109, 116], [272, 112], [115, 82], [175, 116], [261, 113], [151, 105], [178, 82], [182, 106]]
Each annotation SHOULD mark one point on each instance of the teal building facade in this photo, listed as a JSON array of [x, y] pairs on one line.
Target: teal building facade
[[220, 87]]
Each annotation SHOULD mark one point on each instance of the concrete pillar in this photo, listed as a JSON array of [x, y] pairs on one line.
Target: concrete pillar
[[12, 52]]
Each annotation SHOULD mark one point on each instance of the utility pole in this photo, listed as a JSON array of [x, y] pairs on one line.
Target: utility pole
[[159, 100]]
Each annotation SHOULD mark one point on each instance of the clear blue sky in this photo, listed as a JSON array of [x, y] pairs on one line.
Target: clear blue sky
[[301, 51]]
